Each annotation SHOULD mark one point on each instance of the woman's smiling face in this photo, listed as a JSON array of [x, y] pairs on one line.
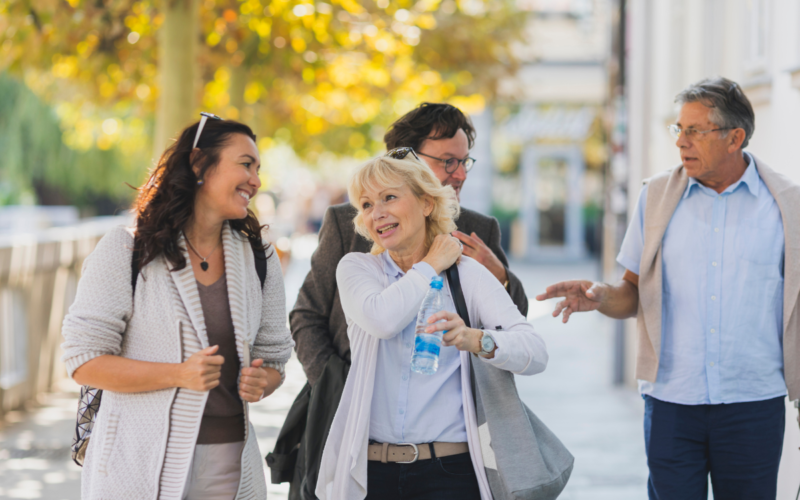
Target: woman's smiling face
[[228, 187], [395, 217]]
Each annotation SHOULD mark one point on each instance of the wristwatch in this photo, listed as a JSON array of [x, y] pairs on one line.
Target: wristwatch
[[487, 344]]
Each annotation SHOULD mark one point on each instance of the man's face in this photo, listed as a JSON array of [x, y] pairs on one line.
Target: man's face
[[454, 147], [704, 153]]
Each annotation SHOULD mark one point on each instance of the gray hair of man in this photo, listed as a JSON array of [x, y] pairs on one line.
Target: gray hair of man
[[730, 108]]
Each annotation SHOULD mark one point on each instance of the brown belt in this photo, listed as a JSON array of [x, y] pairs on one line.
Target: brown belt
[[407, 453]]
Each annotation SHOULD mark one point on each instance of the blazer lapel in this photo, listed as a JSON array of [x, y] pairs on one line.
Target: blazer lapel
[[787, 196], [234, 249], [187, 288]]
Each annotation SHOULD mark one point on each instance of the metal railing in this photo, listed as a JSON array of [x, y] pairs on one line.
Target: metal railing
[[39, 274]]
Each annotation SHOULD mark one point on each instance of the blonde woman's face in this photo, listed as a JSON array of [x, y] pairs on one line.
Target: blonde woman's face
[[395, 217]]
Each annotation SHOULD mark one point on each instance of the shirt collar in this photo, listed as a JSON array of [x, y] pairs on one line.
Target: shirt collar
[[750, 179], [390, 267]]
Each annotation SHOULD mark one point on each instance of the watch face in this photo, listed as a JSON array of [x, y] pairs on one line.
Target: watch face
[[487, 344]]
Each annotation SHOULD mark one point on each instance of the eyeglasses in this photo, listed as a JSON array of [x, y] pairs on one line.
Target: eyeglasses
[[691, 133], [203, 119], [451, 164], [401, 153]]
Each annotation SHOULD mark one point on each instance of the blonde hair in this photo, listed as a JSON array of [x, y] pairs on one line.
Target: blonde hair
[[382, 172]]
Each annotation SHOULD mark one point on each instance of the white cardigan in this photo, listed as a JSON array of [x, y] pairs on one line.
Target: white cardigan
[[142, 443], [374, 311]]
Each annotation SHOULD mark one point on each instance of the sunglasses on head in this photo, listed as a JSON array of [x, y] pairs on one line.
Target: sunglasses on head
[[203, 119], [401, 153]]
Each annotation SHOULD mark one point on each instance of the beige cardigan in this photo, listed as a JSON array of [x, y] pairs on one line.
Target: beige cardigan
[[664, 192], [142, 443]]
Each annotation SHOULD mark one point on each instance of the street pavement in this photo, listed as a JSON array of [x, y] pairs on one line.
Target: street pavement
[[599, 423]]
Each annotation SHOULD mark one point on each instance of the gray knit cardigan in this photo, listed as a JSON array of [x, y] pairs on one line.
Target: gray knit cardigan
[[143, 443]]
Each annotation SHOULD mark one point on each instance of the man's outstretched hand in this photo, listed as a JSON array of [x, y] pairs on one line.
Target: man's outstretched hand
[[579, 296]]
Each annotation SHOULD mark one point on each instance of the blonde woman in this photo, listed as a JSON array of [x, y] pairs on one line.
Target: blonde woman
[[388, 414]]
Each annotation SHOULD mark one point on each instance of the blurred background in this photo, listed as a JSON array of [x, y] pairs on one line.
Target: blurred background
[[570, 100]]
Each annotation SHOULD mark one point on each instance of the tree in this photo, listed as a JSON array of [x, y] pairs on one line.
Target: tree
[[319, 76]]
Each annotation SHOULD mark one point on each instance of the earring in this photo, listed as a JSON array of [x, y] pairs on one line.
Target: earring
[[199, 182]]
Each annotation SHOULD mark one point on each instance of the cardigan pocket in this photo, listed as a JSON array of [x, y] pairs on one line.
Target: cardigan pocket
[[109, 437]]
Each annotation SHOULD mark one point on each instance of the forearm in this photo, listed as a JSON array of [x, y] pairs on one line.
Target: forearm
[[118, 374], [621, 301]]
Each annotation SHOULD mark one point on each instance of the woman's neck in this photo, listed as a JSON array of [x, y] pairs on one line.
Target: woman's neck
[[203, 232], [407, 258]]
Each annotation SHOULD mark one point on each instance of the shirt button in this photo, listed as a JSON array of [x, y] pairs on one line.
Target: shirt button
[[408, 344], [401, 410], [714, 264], [712, 331], [712, 364], [716, 229], [405, 377], [713, 297]]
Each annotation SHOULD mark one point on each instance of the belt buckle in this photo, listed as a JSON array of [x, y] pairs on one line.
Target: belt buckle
[[416, 452]]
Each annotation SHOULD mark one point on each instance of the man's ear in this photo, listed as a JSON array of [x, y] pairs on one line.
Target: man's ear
[[736, 139]]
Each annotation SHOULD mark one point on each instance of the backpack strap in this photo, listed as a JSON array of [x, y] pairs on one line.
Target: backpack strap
[[261, 265], [260, 261], [135, 264], [458, 296]]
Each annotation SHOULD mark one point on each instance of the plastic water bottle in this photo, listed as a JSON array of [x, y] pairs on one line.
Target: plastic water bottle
[[425, 358]]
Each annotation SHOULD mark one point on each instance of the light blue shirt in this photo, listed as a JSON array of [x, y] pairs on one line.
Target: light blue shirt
[[408, 407], [722, 294]]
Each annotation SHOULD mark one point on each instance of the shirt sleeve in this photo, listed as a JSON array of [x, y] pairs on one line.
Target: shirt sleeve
[[630, 253]]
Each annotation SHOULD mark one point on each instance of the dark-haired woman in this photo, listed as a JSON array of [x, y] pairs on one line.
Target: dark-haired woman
[[173, 353]]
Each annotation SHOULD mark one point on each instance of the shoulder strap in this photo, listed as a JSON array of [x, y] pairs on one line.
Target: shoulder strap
[[458, 296], [261, 265], [135, 264]]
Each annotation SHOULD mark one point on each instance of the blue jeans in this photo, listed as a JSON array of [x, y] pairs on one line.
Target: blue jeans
[[447, 478], [739, 444]]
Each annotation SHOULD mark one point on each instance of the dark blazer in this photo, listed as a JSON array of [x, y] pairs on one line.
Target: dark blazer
[[317, 321]]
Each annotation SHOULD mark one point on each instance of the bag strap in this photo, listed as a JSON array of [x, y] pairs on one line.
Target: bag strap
[[261, 265], [458, 296], [135, 264], [260, 261]]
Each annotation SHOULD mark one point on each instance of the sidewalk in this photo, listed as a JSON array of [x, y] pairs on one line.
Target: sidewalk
[[600, 424]]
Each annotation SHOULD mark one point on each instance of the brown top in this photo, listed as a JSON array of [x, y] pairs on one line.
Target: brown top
[[223, 418]]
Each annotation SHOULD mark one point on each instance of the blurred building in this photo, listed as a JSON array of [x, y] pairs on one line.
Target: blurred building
[[673, 43], [541, 145]]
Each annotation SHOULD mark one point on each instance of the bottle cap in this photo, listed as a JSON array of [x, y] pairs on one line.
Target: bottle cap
[[436, 282]]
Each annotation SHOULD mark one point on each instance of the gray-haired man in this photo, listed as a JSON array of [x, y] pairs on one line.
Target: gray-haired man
[[712, 258]]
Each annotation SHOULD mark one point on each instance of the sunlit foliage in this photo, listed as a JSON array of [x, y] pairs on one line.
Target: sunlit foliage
[[319, 76]]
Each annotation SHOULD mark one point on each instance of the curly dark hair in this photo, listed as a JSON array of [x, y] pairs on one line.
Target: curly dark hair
[[443, 120], [165, 203]]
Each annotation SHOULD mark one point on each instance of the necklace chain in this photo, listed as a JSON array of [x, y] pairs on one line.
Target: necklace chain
[[198, 253]]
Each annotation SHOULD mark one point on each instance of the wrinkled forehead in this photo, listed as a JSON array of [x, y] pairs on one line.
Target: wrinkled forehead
[[694, 114]]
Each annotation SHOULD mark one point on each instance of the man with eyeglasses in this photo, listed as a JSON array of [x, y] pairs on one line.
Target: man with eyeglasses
[[441, 136], [712, 259]]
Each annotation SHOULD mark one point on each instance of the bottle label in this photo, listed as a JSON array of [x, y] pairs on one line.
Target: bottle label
[[426, 343]]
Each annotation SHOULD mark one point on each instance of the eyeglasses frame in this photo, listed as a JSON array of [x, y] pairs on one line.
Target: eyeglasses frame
[[458, 162], [679, 133]]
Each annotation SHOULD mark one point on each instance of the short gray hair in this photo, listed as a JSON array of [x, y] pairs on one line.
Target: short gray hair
[[730, 108]]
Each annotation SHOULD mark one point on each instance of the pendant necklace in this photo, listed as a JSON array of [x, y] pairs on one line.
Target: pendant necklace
[[204, 264]]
